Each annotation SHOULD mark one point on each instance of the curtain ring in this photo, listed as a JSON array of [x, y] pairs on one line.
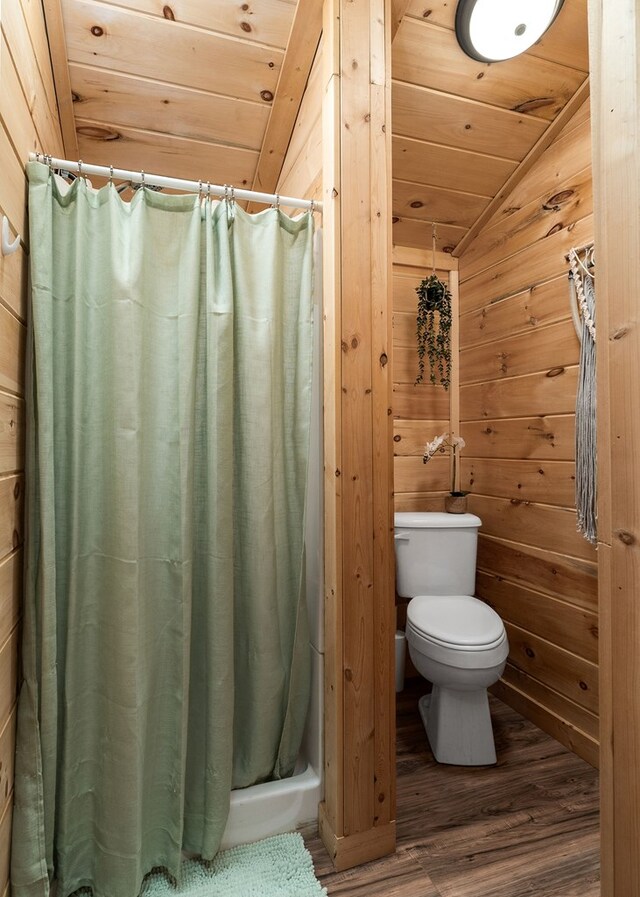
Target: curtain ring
[[313, 206], [208, 190], [226, 193], [142, 177], [37, 156], [233, 195], [276, 204], [79, 167], [200, 189], [111, 174]]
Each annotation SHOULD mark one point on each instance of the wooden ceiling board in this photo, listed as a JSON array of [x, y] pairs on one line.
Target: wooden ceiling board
[[167, 155], [436, 204], [117, 99], [430, 56], [566, 42], [440, 12], [444, 166], [265, 21], [465, 124], [110, 37], [415, 233], [554, 168], [521, 227]]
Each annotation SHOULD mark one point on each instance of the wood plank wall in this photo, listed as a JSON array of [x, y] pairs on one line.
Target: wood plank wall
[[518, 374], [301, 173], [420, 411], [28, 121]]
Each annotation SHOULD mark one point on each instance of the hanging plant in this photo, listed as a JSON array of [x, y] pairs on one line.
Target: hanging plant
[[433, 329]]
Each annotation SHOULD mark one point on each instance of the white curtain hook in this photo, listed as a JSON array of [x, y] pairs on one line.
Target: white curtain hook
[[9, 246]]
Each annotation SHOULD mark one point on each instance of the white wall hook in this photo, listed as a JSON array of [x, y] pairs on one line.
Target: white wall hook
[[8, 246]]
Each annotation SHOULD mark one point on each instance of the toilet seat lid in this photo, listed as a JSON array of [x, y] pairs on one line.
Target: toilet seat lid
[[456, 620]]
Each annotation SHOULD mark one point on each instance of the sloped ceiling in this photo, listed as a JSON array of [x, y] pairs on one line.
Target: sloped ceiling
[[462, 128], [210, 89]]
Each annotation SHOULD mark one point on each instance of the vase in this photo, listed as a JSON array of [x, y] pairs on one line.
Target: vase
[[455, 504]]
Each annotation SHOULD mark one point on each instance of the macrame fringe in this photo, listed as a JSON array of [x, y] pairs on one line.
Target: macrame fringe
[[586, 447]]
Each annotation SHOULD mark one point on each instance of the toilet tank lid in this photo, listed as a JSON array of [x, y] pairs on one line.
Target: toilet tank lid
[[435, 520]]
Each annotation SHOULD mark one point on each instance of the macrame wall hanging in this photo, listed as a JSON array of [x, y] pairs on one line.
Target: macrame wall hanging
[[583, 307]]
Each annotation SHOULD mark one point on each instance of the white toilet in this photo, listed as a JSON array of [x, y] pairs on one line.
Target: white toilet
[[455, 640]]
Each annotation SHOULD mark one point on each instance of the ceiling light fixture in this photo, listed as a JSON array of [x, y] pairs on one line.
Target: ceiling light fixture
[[494, 30]]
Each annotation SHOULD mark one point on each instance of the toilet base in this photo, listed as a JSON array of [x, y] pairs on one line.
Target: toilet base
[[458, 726]]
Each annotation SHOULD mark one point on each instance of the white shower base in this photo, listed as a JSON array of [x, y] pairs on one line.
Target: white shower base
[[272, 808], [283, 806]]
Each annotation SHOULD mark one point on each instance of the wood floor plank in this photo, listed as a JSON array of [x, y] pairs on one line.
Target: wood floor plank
[[526, 826]]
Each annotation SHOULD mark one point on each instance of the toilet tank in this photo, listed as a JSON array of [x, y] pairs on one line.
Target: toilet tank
[[435, 553]]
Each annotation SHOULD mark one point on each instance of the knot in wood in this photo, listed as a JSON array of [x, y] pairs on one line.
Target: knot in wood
[[555, 372], [626, 537], [561, 197], [168, 13], [348, 675], [97, 31], [619, 332], [383, 359], [533, 104]]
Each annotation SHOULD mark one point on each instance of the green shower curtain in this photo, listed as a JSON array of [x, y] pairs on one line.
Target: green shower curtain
[[165, 653]]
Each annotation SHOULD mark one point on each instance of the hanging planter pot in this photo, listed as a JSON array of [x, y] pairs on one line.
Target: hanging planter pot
[[433, 330]]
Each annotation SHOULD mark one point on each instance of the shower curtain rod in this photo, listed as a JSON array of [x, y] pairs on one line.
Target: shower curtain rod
[[156, 180]]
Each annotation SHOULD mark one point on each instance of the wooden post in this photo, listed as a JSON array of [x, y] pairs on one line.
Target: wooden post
[[614, 37], [357, 819]]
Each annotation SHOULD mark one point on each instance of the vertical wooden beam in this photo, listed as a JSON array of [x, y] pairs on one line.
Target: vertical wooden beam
[[331, 811], [357, 820], [614, 34]]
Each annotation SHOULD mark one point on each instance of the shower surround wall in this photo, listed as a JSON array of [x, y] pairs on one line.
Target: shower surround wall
[[28, 121], [518, 375]]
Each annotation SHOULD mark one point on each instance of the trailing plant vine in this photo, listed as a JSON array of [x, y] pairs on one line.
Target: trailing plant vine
[[434, 335]]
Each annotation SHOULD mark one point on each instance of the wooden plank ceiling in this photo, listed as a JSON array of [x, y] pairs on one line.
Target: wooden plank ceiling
[[210, 89], [462, 128], [183, 88]]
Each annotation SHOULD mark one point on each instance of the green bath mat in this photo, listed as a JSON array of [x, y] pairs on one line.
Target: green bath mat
[[276, 867]]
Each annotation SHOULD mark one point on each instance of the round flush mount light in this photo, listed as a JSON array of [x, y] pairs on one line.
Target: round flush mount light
[[494, 30]]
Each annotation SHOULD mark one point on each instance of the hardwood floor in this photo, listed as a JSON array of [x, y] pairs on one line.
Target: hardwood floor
[[527, 827]]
